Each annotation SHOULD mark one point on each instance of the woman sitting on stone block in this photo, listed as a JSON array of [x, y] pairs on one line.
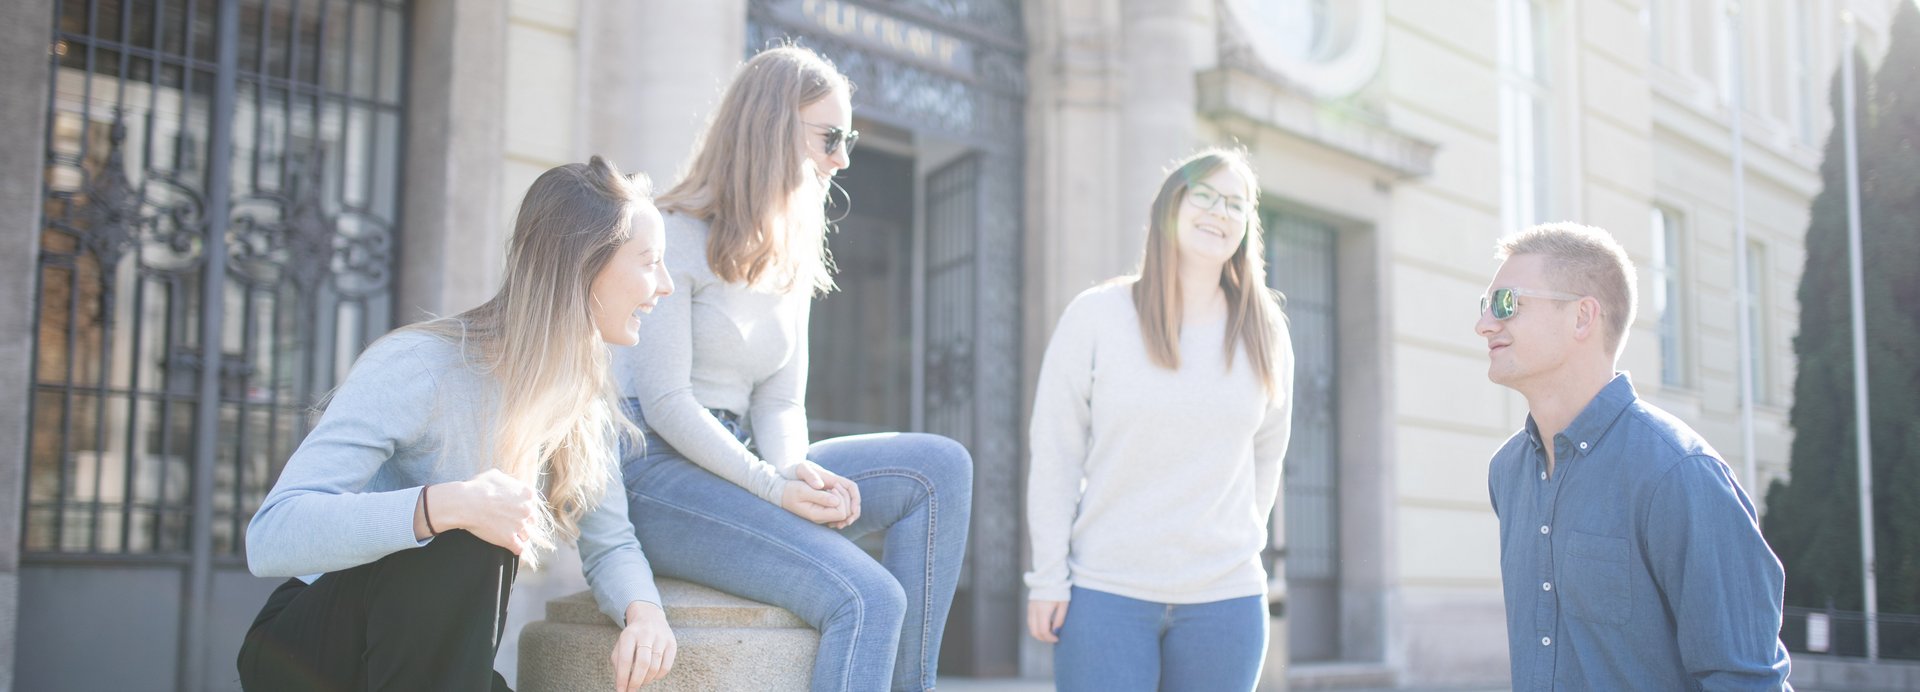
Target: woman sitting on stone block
[[728, 492], [458, 448], [1159, 422]]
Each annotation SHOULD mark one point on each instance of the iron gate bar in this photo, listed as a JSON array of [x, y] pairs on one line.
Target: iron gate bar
[[73, 307], [174, 325], [131, 463], [107, 276], [133, 409], [212, 314]]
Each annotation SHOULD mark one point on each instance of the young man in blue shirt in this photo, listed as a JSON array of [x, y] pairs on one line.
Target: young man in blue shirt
[[1630, 557]]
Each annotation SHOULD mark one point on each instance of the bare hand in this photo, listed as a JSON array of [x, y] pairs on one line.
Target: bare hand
[[817, 506], [818, 478], [1044, 619], [646, 648], [495, 507]]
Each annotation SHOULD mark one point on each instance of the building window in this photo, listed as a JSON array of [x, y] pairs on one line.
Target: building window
[[1328, 48], [1525, 112], [1799, 55], [1701, 36], [1669, 296], [1726, 25], [1757, 320], [1659, 27], [309, 168]]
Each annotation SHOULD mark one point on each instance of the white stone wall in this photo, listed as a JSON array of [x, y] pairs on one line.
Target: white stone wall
[[1441, 75]]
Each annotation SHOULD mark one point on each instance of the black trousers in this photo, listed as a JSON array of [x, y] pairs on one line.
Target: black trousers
[[429, 618]]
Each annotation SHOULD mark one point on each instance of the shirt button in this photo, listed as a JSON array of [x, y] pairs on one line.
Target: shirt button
[[1583, 445], [1543, 475], [1546, 586], [1546, 641], [1544, 530]]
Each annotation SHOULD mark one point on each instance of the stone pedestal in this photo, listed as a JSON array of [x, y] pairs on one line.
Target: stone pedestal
[[726, 643]]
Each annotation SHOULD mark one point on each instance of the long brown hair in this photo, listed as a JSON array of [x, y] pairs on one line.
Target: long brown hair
[[536, 337], [750, 180], [1253, 310]]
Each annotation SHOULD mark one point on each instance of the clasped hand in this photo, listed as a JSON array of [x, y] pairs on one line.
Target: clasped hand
[[820, 496]]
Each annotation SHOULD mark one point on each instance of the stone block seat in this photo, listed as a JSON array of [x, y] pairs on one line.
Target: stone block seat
[[726, 643]]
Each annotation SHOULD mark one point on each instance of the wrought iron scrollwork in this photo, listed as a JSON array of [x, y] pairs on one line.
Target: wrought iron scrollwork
[[110, 215], [276, 238]]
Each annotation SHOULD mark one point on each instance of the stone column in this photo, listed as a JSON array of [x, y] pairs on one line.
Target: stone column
[[24, 38], [1075, 77], [654, 70], [456, 144], [1157, 106]]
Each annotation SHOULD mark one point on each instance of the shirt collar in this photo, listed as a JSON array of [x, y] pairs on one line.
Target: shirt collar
[[1594, 420]]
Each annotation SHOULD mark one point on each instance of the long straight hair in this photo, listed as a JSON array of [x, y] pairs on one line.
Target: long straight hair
[[1253, 310], [751, 181], [558, 416]]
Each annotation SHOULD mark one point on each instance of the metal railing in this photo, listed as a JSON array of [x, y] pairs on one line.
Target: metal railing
[[1844, 633]]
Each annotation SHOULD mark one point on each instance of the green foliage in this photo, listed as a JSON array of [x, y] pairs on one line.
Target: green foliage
[[1813, 523]]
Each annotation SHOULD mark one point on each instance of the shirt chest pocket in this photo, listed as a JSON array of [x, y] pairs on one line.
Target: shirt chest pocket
[[1595, 579]]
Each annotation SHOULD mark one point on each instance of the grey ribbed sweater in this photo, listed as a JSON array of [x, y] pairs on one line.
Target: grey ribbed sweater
[[411, 413], [719, 345]]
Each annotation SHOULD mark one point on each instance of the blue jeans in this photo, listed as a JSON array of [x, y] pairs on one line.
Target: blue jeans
[[880, 622], [1118, 644]]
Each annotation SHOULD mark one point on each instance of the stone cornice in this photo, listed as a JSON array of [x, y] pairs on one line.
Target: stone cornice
[[1231, 94]]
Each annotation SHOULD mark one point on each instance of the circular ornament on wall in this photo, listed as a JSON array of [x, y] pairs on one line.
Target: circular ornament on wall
[[1329, 47]]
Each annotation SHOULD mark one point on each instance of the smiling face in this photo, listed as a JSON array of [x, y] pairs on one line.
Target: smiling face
[[1539, 339], [1207, 231], [634, 279]]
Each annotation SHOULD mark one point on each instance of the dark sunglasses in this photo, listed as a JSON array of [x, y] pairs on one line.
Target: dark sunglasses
[[837, 137], [1505, 302]]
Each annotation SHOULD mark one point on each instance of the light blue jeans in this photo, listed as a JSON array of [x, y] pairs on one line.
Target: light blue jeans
[[1118, 644], [880, 622]]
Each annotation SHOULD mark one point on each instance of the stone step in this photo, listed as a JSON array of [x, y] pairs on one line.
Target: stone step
[[726, 643]]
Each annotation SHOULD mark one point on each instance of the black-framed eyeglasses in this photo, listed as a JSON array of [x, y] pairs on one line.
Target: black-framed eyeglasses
[[1505, 302], [1205, 198], [837, 137]]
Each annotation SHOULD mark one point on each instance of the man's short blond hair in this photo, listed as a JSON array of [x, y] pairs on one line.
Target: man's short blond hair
[[1585, 260]]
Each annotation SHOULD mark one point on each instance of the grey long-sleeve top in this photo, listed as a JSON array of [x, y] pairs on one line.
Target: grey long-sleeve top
[[413, 412], [713, 344]]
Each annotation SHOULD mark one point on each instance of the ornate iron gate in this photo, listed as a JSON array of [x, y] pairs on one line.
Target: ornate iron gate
[[951, 264], [220, 208]]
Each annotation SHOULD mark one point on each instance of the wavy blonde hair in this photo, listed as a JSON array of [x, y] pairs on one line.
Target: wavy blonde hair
[[1253, 309], [559, 421], [751, 181]]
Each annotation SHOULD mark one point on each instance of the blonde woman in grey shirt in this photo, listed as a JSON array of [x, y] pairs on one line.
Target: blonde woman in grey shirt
[[729, 491], [1162, 413], [456, 445]]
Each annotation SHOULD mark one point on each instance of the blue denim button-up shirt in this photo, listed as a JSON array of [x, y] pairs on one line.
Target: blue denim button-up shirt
[[1637, 564]]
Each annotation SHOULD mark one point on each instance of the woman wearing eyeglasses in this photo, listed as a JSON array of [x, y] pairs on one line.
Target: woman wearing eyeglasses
[[1162, 414], [728, 492]]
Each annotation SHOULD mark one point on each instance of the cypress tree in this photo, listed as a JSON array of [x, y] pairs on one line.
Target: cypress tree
[[1813, 522]]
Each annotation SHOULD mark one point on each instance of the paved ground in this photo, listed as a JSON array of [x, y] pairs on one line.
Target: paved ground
[[948, 684]]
